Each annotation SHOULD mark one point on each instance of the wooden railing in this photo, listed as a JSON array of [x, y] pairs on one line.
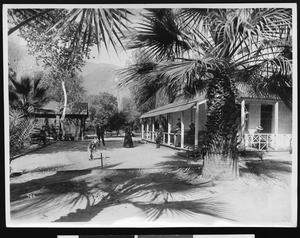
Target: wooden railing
[[174, 138], [268, 141]]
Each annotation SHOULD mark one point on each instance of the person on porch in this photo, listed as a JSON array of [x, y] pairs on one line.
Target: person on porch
[[177, 132], [191, 134], [159, 137]]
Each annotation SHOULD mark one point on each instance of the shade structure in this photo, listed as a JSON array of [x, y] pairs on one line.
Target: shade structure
[[173, 107]]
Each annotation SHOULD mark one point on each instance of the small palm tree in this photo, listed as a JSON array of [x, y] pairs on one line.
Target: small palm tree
[[216, 51], [27, 94]]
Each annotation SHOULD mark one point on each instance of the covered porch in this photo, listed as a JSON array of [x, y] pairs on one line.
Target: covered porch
[[271, 114], [187, 112], [273, 117]]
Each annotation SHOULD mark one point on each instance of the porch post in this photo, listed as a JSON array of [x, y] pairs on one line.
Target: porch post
[[153, 120], [182, 130], [82, 128], [142, 124], [243, 126], [196, 126], [147, 130], [276, 124], [169, 129]]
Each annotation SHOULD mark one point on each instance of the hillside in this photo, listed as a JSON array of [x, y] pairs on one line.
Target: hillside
[[100, 78], [97, 77]]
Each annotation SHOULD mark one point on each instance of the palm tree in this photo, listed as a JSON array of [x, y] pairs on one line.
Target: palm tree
[[27, 94], [25, 97], [215, 51]]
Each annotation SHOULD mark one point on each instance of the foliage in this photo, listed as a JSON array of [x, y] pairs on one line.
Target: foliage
[[20, 128], [27, 94], [102, 107], [117, 121], [74, 86], [129, 108], [92, 25]]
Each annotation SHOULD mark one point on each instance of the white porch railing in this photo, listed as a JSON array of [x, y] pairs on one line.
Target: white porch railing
[[174, 138], [268, 141]]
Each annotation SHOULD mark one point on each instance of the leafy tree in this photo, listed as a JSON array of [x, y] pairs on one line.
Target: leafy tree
[[102, 107], [117, 121], [74, 87], [215, 51], [57, 56], [130, 110]]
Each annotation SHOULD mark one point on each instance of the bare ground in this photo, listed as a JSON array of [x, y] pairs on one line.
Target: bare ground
[[143, 187]]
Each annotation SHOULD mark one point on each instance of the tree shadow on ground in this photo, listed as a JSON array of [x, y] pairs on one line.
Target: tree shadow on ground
[[177, 163], [164, 190], [18, 190], [266, 168]]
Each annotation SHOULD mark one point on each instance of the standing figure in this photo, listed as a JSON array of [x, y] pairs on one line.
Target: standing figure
[[100, 133], [159, 137], [191, 134], [92, 148], [128, 143]]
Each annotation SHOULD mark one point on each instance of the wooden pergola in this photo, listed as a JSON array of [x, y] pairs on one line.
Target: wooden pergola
[[75, 111]]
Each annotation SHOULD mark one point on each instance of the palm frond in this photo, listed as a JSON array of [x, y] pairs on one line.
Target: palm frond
[[20, 128], [105, 25], [159, 32], [29, 15]]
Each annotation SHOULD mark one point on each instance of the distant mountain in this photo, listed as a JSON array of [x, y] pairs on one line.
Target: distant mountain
[[100, 78], [97, 77]]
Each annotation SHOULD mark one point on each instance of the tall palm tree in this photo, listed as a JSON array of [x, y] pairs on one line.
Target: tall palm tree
[[216, 51], [27, 94]]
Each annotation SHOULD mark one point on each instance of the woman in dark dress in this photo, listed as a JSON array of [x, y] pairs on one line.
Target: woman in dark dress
[[128, 143]]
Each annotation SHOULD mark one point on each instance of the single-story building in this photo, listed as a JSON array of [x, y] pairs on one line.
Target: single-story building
[[270, 113], [76, 115]]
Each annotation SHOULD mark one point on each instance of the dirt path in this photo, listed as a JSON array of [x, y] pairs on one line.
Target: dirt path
[[73, 155], [142, 187]]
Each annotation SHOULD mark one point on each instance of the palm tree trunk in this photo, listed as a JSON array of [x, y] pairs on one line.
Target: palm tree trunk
[[220, 160], [63, 116]]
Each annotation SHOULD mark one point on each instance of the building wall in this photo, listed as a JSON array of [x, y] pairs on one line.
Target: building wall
[[285, 117], [285, 120], [202, 117]]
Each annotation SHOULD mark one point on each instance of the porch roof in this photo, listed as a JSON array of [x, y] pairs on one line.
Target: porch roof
[[178, 106]]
